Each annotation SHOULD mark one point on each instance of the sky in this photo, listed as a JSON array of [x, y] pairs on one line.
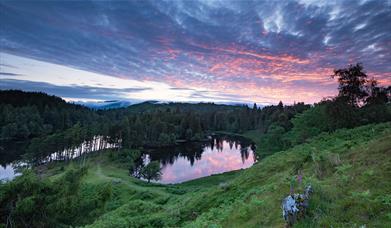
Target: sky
[[190, 51]]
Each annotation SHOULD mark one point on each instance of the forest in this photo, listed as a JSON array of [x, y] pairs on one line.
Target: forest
[[48, 124]]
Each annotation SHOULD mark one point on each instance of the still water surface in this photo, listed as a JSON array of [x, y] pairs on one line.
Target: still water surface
[[189, 161], [11, 162], [186, 161]]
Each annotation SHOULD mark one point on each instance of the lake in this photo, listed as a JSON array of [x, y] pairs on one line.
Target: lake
[[11, 162], [186, 161], [193, 160]]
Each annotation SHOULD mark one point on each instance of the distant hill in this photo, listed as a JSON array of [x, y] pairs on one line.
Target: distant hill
[[115, 104], [104, 105], [152, 106]]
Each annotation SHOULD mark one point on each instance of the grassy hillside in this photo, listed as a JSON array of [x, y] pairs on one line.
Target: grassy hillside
[[350, 171]]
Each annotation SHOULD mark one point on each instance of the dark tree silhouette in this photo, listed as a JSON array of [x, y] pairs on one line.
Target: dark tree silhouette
[[376, 94], [352, 83]]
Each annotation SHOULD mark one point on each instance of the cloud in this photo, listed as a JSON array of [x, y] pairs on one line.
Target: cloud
[[37, 74], [211, 45], [8, 74], [182, 89], [79, 92]]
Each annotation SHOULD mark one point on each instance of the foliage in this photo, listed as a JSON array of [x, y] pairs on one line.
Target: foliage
[[151, 171], [52, 125], [359, 101], [30, 201], [352, 81], [25, 115], [308, 124]]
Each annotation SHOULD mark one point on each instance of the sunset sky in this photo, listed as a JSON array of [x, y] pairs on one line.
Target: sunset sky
[[221, 51]]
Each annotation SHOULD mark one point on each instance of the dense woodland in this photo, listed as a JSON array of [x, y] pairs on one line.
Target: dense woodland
[[50, 124]]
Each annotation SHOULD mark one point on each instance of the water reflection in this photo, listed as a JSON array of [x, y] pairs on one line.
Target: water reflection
[[11, 162], [194, 160], [181, 163], [95, 144]]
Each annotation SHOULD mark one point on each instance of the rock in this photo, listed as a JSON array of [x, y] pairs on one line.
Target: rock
[[294, 206], [289, 210]]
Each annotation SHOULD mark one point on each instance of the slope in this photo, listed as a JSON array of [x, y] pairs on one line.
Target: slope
[[350, 171]]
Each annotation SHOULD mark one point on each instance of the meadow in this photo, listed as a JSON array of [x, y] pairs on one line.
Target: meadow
[[348, 169]]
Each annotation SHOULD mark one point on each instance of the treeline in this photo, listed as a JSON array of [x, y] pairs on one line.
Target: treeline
[[360, 101], [52, 125], [26, 115], [163, 126], [65, 145]]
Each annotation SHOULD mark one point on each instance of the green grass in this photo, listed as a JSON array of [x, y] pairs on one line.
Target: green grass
[[350, 171]]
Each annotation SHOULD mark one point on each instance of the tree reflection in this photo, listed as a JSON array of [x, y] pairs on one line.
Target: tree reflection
[[193, 151]]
